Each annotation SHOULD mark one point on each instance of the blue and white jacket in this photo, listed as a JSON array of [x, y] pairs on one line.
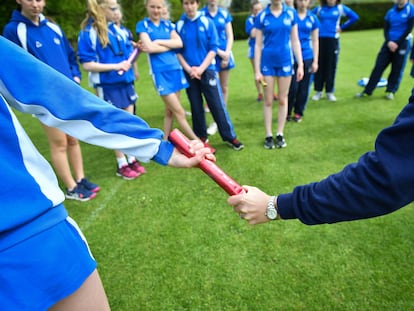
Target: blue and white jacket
[[30, 86], [330, 18], [199, 37], [399, 23], [45, 41], [119, 49]]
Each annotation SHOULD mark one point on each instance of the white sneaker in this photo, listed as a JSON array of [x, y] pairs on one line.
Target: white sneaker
[[331, 97], [389, 96], [212, 129], [317, 96]]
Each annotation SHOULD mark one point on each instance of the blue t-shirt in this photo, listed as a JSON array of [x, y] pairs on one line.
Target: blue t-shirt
[[277, 50], [199, 37], [305, 28], [221, 19], [330, 19], [249, 25], [164, 61]]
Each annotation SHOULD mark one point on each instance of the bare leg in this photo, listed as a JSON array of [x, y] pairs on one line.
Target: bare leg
[[58, 151], [168, 122], [257, 83], [89, 297], [268, 104], [173, 104], [283, 84], [75, 157], [224, 83]]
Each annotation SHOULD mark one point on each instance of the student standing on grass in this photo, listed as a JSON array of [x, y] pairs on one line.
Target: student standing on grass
[[103, 50], [45, 262], [308, 29], [159, 40], [224, 58], [255, 8], [381, 182], [200, 44], [330, 13], [45, 40], [399, 21], [276, 39]]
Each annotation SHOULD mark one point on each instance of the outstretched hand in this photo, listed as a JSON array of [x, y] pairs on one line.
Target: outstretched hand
[[200, 152], [251, 205]]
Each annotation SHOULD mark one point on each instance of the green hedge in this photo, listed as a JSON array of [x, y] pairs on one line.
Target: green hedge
[[371, 16]]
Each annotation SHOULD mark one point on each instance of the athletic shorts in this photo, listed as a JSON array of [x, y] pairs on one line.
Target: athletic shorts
[[231, 64], [119, 95], [42, 270], [284, 71], [250, 52], [169, 82]]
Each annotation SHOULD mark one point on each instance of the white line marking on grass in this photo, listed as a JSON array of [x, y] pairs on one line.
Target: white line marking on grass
[[92, 217]]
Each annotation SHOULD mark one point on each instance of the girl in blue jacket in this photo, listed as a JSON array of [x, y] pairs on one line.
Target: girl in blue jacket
[[44, 39], [103, 50], [45, 261]]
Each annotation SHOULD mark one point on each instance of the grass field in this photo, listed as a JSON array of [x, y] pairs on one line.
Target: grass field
[[169, 241]]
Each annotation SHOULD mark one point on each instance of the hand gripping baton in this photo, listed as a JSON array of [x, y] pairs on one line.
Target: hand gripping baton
[[182, 143], [130, 59]]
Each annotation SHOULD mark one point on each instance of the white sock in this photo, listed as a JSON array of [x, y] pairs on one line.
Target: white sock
[[131, 159], [121, 162]]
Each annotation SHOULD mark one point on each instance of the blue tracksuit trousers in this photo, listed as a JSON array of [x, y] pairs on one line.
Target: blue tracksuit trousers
[[209, 86]]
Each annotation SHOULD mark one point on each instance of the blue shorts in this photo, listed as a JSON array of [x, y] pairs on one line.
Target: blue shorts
[[284, 71], [42, 270], [231, 64], [169, 82], [250, 52], [119, 95]]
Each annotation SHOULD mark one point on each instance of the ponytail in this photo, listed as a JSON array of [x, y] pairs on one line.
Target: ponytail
[[97, 19]]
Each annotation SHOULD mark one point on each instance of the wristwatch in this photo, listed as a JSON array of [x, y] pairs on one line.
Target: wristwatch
[[271, 211]]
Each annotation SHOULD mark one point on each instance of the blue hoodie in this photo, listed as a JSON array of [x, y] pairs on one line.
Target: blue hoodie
[[47, 42], [36, 203]]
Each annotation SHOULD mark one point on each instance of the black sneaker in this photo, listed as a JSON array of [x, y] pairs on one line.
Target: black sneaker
[[269, 143], [280, 141], [235, 144], [80, 194], [89, 185]]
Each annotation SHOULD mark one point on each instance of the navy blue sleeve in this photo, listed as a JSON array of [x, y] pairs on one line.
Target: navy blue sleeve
[[381, 182]]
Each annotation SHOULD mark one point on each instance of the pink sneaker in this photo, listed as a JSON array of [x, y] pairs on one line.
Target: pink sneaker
[[138, 168], [126, 173]]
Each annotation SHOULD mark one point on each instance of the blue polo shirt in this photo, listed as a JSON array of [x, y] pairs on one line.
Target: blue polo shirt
[[164, 61], [221, 19], [277, 51], [305, 28]]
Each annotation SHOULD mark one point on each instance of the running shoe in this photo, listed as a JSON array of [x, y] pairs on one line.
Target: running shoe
[[235, 144], [126, 173], [79, 193], [389, 96], [137, 167], [259, 97], [269, 143], [317, 96], [331, 97], [297, 118], [85, 183], [280, 141], [212, 129], [360, 95]]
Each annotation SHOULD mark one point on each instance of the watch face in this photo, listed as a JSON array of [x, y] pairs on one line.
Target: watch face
[[271, 213]]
